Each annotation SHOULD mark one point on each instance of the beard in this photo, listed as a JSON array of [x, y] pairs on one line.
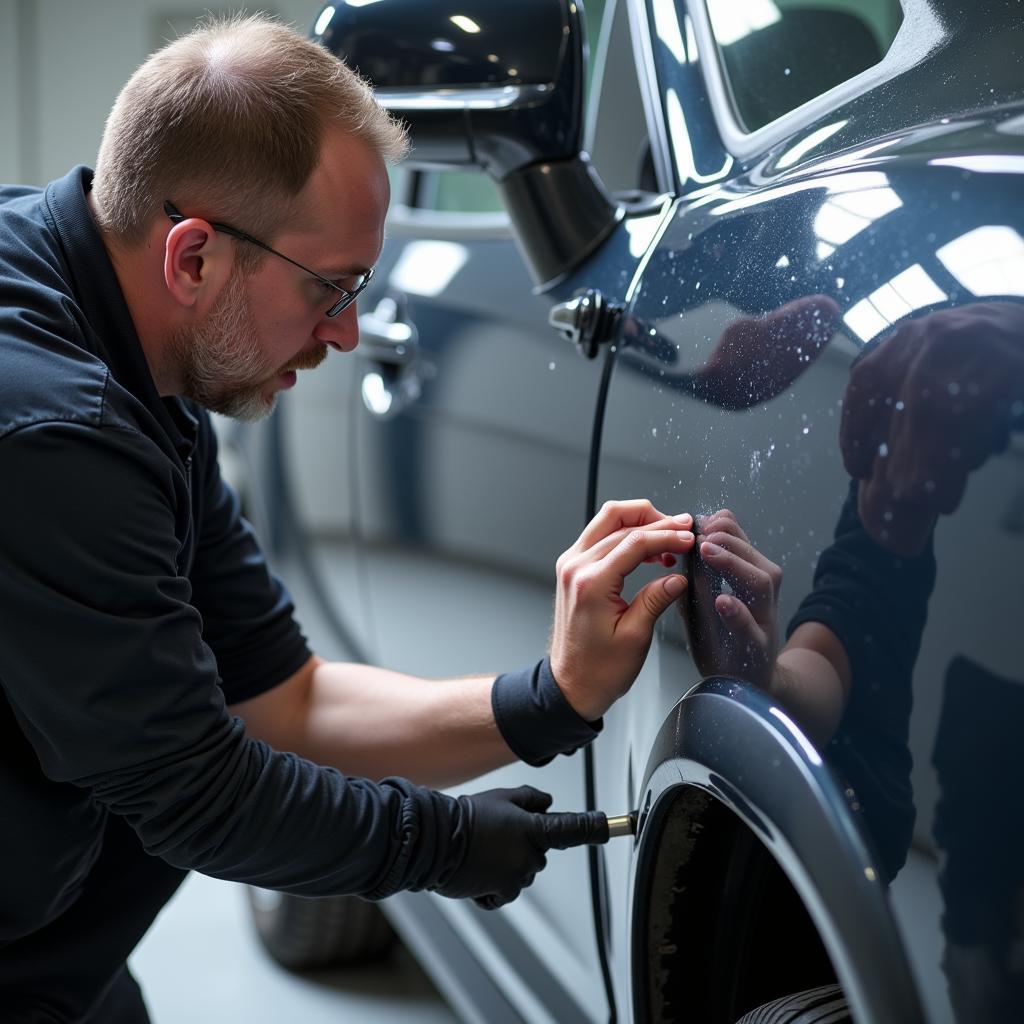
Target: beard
[[222, 366]]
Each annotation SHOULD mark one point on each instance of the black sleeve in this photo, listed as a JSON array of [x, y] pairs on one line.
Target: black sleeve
[[877, 605], [246, 611], [104, 664], [874, 601], [533, 717]]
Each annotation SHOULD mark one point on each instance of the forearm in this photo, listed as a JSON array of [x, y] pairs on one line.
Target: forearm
[[374, 723], [812, 680]]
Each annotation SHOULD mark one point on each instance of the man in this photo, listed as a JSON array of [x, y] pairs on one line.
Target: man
[[161, 710]]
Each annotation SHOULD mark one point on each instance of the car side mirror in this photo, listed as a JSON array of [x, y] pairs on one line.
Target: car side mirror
[[482, 86]]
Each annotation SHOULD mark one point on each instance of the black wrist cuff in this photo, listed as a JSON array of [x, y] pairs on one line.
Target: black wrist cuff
[[533, 717]]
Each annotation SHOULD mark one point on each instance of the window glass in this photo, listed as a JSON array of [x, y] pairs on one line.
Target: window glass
[[474, 191], [778, 54]]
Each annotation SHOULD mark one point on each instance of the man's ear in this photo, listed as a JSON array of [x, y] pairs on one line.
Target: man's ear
[[197, 263]]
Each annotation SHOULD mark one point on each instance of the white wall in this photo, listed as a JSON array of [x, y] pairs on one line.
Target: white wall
[[62, 63]]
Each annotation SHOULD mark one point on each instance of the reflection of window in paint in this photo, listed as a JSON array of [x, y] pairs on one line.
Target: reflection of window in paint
[[732, 21], [808, 144], [680, 136], [666, 28], [641, 232], [910, 290], [779, 54], [987, 261], [847, 214]]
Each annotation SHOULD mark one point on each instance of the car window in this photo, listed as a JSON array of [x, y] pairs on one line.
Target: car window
[[778, 54], [472, 192]]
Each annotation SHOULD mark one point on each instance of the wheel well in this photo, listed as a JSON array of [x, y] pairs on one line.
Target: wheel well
[[718, 927]]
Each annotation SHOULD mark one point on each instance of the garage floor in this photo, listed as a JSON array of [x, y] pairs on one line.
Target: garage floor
[[202, 964]]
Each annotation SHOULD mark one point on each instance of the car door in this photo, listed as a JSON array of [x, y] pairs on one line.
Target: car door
[[471, 457], [815, 227]]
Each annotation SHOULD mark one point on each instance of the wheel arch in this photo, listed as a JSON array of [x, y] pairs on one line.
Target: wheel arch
[[729, 766]]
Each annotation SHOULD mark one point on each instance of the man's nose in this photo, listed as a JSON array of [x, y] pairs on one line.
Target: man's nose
[[340, 332]]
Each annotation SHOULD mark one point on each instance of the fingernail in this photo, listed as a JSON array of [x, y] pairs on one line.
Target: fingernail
[[683, 517], [707, 548], [674, 586], [727, 609]]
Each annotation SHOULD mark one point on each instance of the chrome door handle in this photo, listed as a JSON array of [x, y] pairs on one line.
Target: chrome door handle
[[389, 342], [384, 337]]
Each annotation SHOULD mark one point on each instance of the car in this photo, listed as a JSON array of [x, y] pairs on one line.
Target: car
[[763, 255]]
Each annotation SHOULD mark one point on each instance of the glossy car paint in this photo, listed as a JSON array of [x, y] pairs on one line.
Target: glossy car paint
[[468, 464]]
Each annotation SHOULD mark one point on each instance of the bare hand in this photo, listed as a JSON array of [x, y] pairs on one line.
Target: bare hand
[[600, 641], [740, 637]]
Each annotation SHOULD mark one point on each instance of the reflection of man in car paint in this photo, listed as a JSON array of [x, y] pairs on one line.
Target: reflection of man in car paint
[[925, 407], [160, 708]]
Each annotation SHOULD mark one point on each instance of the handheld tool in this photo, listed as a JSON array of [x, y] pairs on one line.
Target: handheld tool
[[622, 824]]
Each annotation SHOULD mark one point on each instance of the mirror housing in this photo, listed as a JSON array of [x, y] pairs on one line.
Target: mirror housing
[[479, 88]]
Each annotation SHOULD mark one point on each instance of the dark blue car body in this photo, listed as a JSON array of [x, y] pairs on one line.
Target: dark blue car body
[[816, 323]]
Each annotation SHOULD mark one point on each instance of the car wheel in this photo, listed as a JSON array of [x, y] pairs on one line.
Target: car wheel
[[824, 1005], [301, 932]]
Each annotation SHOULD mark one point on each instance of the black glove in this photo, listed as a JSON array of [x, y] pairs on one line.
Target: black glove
[[508, 835]]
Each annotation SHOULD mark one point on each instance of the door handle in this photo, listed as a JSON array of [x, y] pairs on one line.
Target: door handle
[[385, 337], [390, 341]]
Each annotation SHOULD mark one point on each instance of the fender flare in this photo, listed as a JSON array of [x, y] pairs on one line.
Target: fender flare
[[731, 742]]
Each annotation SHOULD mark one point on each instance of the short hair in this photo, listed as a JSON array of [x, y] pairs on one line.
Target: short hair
[[228, 122]]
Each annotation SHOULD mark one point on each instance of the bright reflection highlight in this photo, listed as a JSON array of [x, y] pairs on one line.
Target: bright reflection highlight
[[323, 21], [991, 163], [846, 214], [641, 231], [361, 3], [805, 146], [692, 50], [732, 20], [466, 24], [666, 26], [428, 267], [910, 290], [846, 184], [988, 260], [808, 748], [680, 136], [376, 395]]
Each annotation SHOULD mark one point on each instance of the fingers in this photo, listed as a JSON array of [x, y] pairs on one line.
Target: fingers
[[682, 524], [650, 603], [638, 545], [500, 899], [757, 581], [529, 799], [743, 550], [738, 620], [618, 515], [564, 830], [721, 521]]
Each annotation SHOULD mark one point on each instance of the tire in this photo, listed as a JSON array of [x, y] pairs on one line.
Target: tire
[[825, 1005], [299, 932]]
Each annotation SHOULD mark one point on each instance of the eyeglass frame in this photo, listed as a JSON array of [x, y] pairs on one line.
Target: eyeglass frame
[[347, 298]]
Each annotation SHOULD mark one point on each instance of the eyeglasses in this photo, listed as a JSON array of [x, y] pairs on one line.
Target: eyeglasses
[[348, 295]]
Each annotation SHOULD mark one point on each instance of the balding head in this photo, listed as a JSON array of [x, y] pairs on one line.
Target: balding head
[[228, 122]]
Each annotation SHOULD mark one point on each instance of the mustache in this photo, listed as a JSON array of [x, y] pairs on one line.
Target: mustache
[[306, 360]]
